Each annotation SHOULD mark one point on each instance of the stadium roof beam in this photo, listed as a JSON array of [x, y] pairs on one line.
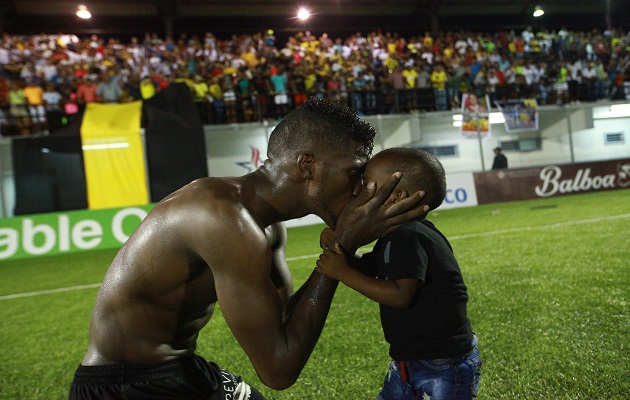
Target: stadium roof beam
[[7, 12], [167, 9], [326, 7], [136, 16]]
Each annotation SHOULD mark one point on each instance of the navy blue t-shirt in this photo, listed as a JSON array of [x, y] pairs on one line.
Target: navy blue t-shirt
[[436, 324]]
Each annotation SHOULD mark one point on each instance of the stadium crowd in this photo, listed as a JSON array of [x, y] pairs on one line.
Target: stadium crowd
[[46, 80]]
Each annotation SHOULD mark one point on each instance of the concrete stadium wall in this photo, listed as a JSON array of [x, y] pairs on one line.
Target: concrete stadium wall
[[568, 134]]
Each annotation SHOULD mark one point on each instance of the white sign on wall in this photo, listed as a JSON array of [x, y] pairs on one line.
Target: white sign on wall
[[460, 191]]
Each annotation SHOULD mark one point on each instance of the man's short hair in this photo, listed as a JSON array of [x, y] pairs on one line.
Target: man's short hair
[[421, 171], [320, 124]]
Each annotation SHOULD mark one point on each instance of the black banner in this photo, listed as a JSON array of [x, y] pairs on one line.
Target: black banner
[[175, 145], [49, 174]]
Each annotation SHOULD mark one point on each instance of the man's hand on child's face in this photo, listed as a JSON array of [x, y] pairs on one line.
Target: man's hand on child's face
[[332, 263]]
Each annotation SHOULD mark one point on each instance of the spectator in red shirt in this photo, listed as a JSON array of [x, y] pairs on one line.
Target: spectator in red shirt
[[86, 92]]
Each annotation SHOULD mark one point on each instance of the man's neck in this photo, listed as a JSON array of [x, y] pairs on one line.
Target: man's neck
[[270, 198]]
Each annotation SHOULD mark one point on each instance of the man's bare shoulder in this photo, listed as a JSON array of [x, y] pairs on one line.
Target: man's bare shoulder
[[210, 214], [204, 197]]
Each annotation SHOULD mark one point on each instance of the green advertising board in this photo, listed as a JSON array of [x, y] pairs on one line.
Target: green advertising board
[[66, 232]]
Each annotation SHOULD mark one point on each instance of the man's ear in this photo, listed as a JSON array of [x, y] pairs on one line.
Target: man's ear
[[397, 196], [306, 165]]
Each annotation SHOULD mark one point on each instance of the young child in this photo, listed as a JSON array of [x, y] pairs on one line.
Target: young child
[[414, 276]]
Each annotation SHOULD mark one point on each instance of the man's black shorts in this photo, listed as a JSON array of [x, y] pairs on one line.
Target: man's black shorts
[[191, 378]]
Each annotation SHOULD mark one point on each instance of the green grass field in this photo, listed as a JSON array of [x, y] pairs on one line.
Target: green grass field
[[549, 282]]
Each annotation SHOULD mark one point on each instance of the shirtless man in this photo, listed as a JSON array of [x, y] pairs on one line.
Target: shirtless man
[[208, 242]]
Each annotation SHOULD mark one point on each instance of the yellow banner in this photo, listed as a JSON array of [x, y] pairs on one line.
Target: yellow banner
[[113, 155]]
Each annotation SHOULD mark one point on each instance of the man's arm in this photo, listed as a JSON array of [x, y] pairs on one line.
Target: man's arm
[[277, 345], [280, 274]]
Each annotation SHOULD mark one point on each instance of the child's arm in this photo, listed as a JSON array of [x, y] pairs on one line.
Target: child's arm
[[397, 294], [358, 261]]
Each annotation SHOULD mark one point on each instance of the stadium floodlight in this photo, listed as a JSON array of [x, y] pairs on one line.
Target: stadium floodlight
[[82, 12], [538, 11], [303, 14]]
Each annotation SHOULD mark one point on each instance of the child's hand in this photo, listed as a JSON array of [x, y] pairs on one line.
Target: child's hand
[[332, 263], [325, 238]]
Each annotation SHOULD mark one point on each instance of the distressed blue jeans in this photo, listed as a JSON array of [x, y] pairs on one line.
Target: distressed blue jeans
[[441, 379]]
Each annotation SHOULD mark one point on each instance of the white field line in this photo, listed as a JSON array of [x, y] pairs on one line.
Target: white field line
[[471, 235], [67, 289], [532, 228]]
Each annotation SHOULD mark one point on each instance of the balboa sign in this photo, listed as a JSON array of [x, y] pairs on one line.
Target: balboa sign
[[551, 180]]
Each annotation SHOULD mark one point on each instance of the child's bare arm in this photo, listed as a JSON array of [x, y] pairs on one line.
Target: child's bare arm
[[398, 293]]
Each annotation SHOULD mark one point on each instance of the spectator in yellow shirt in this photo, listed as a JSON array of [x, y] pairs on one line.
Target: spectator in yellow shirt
[[19, 111], [200, 93], [438, 80], [411, 77], [147, 88], [34, 97]]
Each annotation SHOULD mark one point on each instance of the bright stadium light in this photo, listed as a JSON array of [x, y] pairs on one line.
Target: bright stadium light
[[303, 14], [82, 12], [538, 11]]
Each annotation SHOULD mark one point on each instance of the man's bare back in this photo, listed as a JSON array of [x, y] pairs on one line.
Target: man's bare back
[[154, 311]]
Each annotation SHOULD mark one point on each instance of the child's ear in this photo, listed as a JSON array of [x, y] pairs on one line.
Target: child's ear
[[401, 194], [397, 196]]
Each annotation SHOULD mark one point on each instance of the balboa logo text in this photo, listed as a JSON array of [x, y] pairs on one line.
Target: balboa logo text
[[552, 182]]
